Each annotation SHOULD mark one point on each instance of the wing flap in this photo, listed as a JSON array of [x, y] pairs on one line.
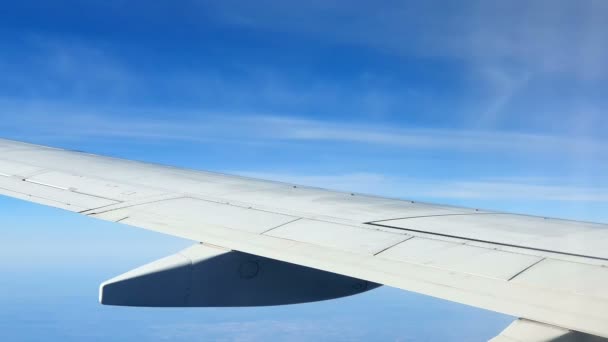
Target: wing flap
[[567, 276], [461, 257], [559, 236]]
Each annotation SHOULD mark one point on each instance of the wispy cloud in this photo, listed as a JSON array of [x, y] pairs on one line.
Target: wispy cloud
[[51, 67], [97, 75], [545, 35], [512, 51], [61, 122], [504, 86], [264, 330]]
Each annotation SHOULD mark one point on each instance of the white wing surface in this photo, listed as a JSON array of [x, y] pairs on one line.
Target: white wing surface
[[541, 269]]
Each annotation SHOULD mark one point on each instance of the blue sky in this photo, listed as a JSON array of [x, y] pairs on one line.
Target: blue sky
[[498, 105]]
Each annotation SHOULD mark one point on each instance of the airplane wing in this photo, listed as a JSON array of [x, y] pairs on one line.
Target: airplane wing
[[551, 273]]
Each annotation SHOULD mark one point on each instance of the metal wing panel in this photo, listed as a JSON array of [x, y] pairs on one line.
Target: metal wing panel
[[197, 216], [326, 230], [14, 169], [320, 203], [99, 187]]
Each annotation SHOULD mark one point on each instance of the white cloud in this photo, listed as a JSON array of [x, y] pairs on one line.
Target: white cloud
[[264, 330], [545, 35], [89, 72], [509, 50], [98, 73], [51, 67], [45, 119]]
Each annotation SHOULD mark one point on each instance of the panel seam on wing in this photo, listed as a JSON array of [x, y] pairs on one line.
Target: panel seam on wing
[[437, 215], [526, 269], [281, 225]]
